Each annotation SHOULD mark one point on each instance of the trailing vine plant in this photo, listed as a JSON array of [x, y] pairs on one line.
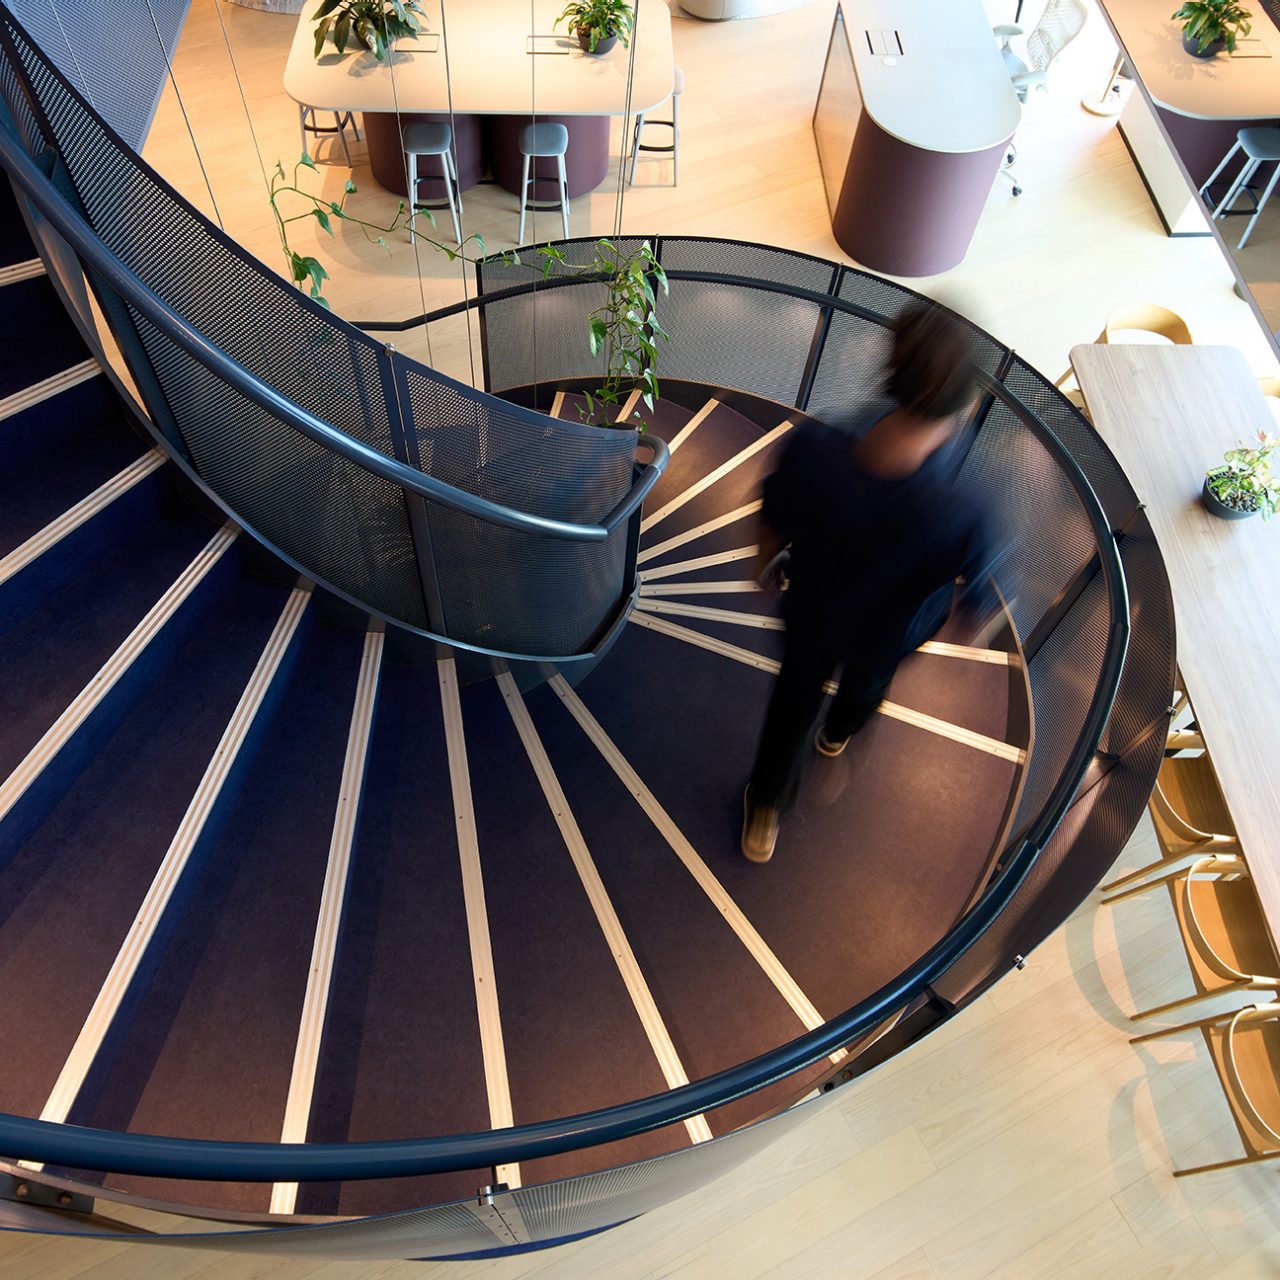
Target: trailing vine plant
[[308, 271]]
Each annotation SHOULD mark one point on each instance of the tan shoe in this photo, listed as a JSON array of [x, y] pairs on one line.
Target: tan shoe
[[759, 830]]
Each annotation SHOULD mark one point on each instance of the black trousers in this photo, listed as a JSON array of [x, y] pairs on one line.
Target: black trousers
[[809, 660]]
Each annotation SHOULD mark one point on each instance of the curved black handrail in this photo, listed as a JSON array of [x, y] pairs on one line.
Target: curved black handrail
[[211, 1160], [87, 245]]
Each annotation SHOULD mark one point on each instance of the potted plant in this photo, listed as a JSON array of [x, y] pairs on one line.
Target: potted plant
[[1209, 26], [599, 24], [1242, 485], [375, 24]]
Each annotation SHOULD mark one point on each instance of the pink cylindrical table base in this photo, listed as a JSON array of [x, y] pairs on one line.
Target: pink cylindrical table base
[[907, 211], [586, 162], [386, 153]]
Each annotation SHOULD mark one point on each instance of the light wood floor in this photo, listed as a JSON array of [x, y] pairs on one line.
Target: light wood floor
[[1027, 1139]]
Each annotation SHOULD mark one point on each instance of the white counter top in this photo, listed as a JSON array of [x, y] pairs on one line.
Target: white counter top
[[930, 73], [1221, 88], [482, 67]]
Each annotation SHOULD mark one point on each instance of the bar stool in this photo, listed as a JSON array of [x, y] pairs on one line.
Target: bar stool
[[539, 141], [673, 124], [307, 124], [1259, 146], [432, 138]]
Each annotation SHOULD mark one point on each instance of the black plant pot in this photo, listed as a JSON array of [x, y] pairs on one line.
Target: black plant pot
[[603, 45], [1192, 46], [1220, 509]]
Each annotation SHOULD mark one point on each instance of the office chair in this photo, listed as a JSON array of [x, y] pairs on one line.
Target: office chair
[[1060, 23]]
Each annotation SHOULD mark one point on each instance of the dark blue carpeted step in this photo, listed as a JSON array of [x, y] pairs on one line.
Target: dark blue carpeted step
[[717, 438], [45, 433], [86, 870], [574, 1041], [973, 695], [739, 533], [46, 342], [56, 453], [717, 1002], [210, 1050], [401, 1051], [882, 852], [15, 243], [50, 653]]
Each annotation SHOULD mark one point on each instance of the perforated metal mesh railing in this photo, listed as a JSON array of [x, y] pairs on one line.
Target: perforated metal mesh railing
[[504, 586]]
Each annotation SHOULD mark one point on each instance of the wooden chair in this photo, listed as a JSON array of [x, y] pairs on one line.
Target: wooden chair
[[1245, 1048], [1141, 317], [1222, 929], [1189, 815], [1184, 737]]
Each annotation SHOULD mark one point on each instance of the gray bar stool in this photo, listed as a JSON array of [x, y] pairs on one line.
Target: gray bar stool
[[432, 138], [539, 141], [307, 124], [673, 124], [1259, 146]]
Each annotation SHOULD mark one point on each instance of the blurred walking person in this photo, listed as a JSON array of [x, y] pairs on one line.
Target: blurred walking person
[[877, 536]]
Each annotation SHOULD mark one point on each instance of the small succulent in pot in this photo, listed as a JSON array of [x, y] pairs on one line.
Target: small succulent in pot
[[599, 24], [1210, 25], [375, 25], [1242, 484]]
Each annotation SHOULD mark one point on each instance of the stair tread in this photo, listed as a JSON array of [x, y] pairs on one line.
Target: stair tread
[[209, 1052], [718, 1004], [899, 796], [553, 964], [401, 1053], [85, 871], [52, 654], [47, 341]]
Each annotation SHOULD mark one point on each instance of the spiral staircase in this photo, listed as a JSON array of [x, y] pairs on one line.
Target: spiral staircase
[[279, 869]]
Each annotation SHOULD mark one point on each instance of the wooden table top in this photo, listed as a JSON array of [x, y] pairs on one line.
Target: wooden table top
[[1169, 413], [481, 65]]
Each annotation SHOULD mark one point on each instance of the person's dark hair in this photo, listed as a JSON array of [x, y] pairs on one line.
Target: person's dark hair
[[930, 366]]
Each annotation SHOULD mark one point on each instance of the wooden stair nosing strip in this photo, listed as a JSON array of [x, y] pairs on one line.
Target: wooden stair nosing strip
[[557, 403], [741, 587], [693, 424], [48, 388], [628, 406], [19, 271], [488, 1010], [718, 473], [71, 519], [733, 617], [324, 949], [918, 719], [691, 535], [172, 865], [108, 675], [633, 979], [699, 562], [734, 917]]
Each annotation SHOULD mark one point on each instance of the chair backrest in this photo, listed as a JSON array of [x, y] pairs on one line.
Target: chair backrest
[[1189, 779], [1222, 921], [1060, 23], [1148, 318], [1251, 1076]]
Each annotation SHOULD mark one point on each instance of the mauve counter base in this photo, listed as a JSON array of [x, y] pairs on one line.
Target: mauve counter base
[[907, 211]]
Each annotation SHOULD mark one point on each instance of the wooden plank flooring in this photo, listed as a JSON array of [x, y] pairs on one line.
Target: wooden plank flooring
[[1027, 1138]]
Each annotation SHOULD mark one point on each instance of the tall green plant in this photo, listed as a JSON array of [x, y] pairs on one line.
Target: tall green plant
[[308, 271], [625, 328]]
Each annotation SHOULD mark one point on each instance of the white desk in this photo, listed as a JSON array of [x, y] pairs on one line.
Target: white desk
[[482, 67], [914, 114]]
